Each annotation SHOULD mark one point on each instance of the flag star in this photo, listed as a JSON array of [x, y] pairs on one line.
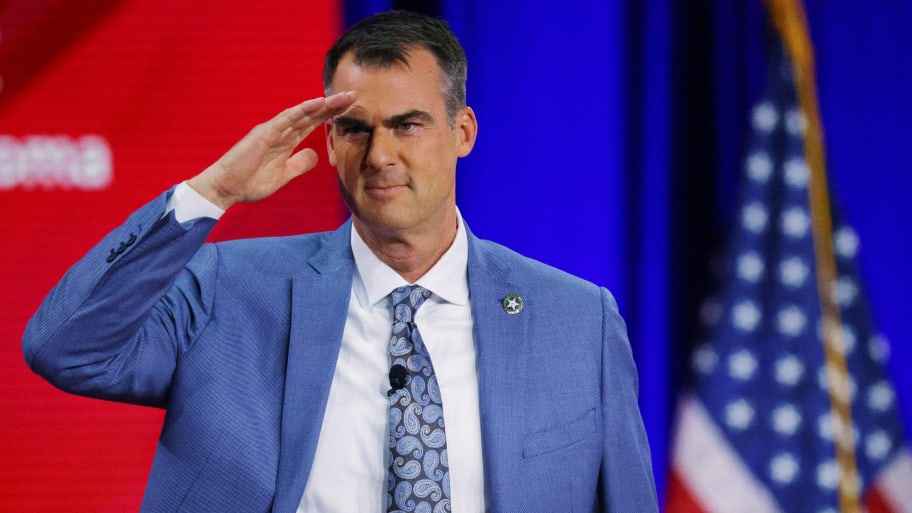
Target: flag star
[[845, 342], [746, 316], [795, 122], [783, 468], [827, 475], [793, 271], [765, 117], [759, 166], [880, 397], [739, 415], [742, 364], [754, 217], [750, 267], [846, 291], [849, 340], [825, 426], [791, 321], [786, 419], [796, 173], [705, 359], [846, 242], [795, 222], [789, 370], [877, 445], [879, 348]]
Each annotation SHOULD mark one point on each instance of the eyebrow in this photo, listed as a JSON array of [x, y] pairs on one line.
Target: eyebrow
[[398, 119], [418, 115]]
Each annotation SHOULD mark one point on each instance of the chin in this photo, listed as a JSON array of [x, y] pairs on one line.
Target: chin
[[385, 219]]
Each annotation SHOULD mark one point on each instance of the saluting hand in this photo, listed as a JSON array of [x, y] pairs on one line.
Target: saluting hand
[[262, 162]]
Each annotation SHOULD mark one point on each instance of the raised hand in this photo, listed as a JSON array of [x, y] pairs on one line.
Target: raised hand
[[262, 162]]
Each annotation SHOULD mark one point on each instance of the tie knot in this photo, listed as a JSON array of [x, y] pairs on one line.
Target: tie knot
[[407, 300]]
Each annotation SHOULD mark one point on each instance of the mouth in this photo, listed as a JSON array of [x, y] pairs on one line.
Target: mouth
[[384, 191]]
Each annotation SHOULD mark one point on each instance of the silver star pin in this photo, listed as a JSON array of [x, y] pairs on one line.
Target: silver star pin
[[512, 304]]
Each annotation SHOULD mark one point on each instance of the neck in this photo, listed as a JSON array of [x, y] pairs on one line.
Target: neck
[[409, 253]]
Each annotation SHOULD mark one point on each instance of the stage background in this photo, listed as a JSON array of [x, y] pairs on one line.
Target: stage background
[[165, 87], [611, 136]]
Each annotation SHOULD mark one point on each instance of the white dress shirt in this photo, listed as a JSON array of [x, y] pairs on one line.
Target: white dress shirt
[[349, 471]]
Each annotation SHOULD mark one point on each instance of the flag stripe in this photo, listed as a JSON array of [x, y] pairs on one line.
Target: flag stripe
[[704, 459], [679, 494], [895, 484]]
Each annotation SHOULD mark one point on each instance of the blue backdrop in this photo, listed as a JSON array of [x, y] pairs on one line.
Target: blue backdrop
[[611, 138]]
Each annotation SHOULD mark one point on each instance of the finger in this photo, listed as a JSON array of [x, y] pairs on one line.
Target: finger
[[300, 163], [289, 116], [340, 101], [315, 114]]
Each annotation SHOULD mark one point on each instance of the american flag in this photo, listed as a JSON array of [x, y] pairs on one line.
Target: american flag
[[757, 432]]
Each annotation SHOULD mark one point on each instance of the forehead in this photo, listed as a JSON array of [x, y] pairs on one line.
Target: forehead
[[392, 89]]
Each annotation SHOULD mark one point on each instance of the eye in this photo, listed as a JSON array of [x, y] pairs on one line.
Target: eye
[[408, 127], [352, 130]]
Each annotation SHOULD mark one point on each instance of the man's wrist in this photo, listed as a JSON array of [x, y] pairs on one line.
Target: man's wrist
[[189, 204]]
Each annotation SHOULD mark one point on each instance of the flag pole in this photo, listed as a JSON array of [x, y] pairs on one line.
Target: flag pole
[[791, 22]]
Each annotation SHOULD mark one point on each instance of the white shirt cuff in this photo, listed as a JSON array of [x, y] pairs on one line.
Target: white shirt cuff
[[188, 204]]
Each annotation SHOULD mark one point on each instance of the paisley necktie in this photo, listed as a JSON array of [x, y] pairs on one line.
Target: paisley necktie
[[419, 476]]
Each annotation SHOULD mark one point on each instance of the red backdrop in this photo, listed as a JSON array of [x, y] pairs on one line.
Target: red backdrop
[[103, 105]]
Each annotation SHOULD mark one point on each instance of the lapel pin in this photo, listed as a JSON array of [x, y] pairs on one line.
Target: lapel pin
[[512, 304]]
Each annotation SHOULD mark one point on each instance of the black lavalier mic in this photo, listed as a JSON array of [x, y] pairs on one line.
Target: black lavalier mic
[[397, 377]]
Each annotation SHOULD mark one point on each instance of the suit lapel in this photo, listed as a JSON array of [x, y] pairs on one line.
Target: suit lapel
[[320, 296], [500, 341]]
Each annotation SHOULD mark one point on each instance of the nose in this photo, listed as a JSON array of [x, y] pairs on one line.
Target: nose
[[381, 149]]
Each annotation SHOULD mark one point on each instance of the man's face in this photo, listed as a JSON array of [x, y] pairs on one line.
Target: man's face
[[394, 148]]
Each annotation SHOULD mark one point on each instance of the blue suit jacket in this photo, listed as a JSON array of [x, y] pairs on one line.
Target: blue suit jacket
[[238, 341]]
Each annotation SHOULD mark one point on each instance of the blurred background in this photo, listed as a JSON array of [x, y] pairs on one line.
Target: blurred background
[[612, 141]]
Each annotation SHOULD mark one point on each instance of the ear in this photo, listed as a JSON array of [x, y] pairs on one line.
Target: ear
[[330, 144], [466, 130]]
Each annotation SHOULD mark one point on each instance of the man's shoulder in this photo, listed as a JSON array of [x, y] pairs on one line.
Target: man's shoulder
[[522, 269], [283, 251], [254, 244]]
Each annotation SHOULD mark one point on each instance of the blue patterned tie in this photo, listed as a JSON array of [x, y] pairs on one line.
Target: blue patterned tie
[[419, 475]]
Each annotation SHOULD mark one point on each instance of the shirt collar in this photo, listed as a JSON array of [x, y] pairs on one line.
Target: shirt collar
[[374, 280]]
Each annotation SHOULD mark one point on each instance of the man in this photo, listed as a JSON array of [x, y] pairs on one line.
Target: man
[[274, 357]]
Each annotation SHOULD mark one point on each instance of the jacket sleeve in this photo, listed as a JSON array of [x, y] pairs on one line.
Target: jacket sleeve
[[626, 481], [116, 324]]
